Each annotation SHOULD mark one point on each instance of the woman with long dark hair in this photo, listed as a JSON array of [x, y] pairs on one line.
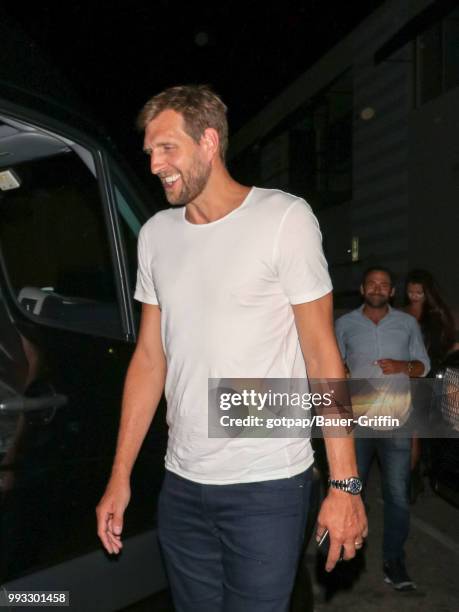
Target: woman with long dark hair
[[424, 302]]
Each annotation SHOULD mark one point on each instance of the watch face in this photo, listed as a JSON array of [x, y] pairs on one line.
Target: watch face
[[354, 486]]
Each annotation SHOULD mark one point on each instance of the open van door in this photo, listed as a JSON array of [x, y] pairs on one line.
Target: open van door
[[69, 218]]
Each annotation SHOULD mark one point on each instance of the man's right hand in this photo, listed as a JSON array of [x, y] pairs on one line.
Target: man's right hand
[[110, 511]]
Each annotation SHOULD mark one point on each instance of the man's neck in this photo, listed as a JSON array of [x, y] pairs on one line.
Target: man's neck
[[375, 314], [221, 195]]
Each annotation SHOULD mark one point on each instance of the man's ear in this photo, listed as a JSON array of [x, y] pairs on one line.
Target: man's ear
[[361, 290], [392, 292], [211, 141]]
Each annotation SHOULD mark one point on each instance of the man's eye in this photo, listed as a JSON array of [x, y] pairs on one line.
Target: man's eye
[[168, 147]]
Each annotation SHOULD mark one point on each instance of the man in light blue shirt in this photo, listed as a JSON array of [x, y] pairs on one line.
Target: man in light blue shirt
[[378, 342]]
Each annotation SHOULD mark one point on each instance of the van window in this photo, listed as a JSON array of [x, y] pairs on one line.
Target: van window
[[55, 245]]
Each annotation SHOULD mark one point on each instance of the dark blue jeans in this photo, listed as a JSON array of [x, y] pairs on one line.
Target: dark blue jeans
[[232, 548], [394, 457]]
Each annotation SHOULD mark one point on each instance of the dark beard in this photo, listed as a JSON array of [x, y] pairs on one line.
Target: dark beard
[[376, 301]]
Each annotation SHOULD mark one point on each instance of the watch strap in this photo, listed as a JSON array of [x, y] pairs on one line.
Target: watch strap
[[345, 484]]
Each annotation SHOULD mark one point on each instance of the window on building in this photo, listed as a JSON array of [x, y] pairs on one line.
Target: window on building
[[451, 38], [438, 58], [321, 146], [308, 154]]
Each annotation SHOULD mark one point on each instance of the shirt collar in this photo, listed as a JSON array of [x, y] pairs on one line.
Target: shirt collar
[[389, 312]]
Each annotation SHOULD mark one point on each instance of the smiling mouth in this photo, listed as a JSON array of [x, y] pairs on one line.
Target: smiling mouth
[[170, 180]]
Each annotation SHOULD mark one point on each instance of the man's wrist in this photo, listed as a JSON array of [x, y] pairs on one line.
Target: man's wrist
[[352, 485], [409, 368], [120, 471]]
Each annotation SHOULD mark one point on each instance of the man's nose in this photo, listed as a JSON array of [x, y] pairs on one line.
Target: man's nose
[[157, 162]]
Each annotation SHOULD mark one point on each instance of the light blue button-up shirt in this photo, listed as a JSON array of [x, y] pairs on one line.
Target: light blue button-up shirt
[[362, 342]]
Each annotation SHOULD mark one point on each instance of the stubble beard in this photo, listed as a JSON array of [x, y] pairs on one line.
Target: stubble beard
[[193, 183], [376, 301]]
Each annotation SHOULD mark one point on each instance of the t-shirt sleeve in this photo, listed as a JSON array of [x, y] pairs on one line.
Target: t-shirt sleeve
[[298, 255], [145, 286]]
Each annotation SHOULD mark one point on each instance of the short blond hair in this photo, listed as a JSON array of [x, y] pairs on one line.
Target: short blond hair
[[199, 106]]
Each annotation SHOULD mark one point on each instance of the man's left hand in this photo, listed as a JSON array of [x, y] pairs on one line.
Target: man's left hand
[[392, 366], [344, 516]]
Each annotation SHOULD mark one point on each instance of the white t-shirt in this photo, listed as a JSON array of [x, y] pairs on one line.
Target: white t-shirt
[[225, 291]]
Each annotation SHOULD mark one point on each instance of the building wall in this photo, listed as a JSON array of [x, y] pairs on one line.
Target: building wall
[[433, 222], [382, 102], [405, 161]]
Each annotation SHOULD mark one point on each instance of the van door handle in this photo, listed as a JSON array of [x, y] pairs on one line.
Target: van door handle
[[23, 404]]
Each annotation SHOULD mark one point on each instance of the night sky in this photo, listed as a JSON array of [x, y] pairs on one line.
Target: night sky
[[118, 54]]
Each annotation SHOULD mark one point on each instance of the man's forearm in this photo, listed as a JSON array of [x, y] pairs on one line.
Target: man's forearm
[[323, 361], [341, 457], [340, 449], [142, 392], [339, 442]]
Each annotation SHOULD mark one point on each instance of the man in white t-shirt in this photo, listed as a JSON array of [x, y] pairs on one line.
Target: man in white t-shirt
[[234, 284]]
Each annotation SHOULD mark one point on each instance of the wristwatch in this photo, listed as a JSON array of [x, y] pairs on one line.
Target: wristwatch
[[352, 485]]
